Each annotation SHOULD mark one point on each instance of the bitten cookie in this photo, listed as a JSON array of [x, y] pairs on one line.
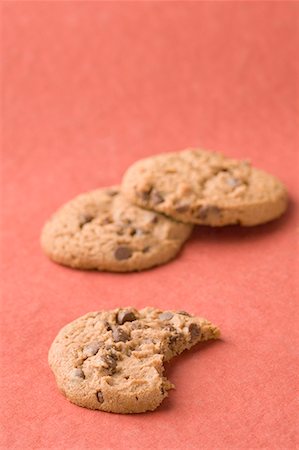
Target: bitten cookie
[[102, 230], [200, 187], [113, 360]]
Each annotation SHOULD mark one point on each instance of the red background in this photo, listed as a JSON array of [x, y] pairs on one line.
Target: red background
[[89, 87]]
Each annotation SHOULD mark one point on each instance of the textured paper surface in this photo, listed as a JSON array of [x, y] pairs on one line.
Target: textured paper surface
[[89, 87]]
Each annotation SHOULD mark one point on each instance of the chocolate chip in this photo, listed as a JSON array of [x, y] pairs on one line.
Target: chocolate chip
[[184, 313], [84, 219], [100, 397], [172, 340], [91, 349], [145, 249], [194, 331], [156, 197], [182, 208], [107, 325], [125, 315], [78, 373], [122, 253], [167, 315], [112, 192], [119, 335], [145, 195], [110, 363], [207, 210], [155, 219]]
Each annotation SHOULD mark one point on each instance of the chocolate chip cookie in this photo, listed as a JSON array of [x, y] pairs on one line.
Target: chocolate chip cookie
[[113, 360], [102, 230], [200, 187]]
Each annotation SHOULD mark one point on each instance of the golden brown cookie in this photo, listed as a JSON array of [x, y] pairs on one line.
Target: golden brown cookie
[[200, 187], [113, 360], [102, 230]]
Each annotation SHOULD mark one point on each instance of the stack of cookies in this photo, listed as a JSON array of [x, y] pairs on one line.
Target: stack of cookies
[[144, 222]]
